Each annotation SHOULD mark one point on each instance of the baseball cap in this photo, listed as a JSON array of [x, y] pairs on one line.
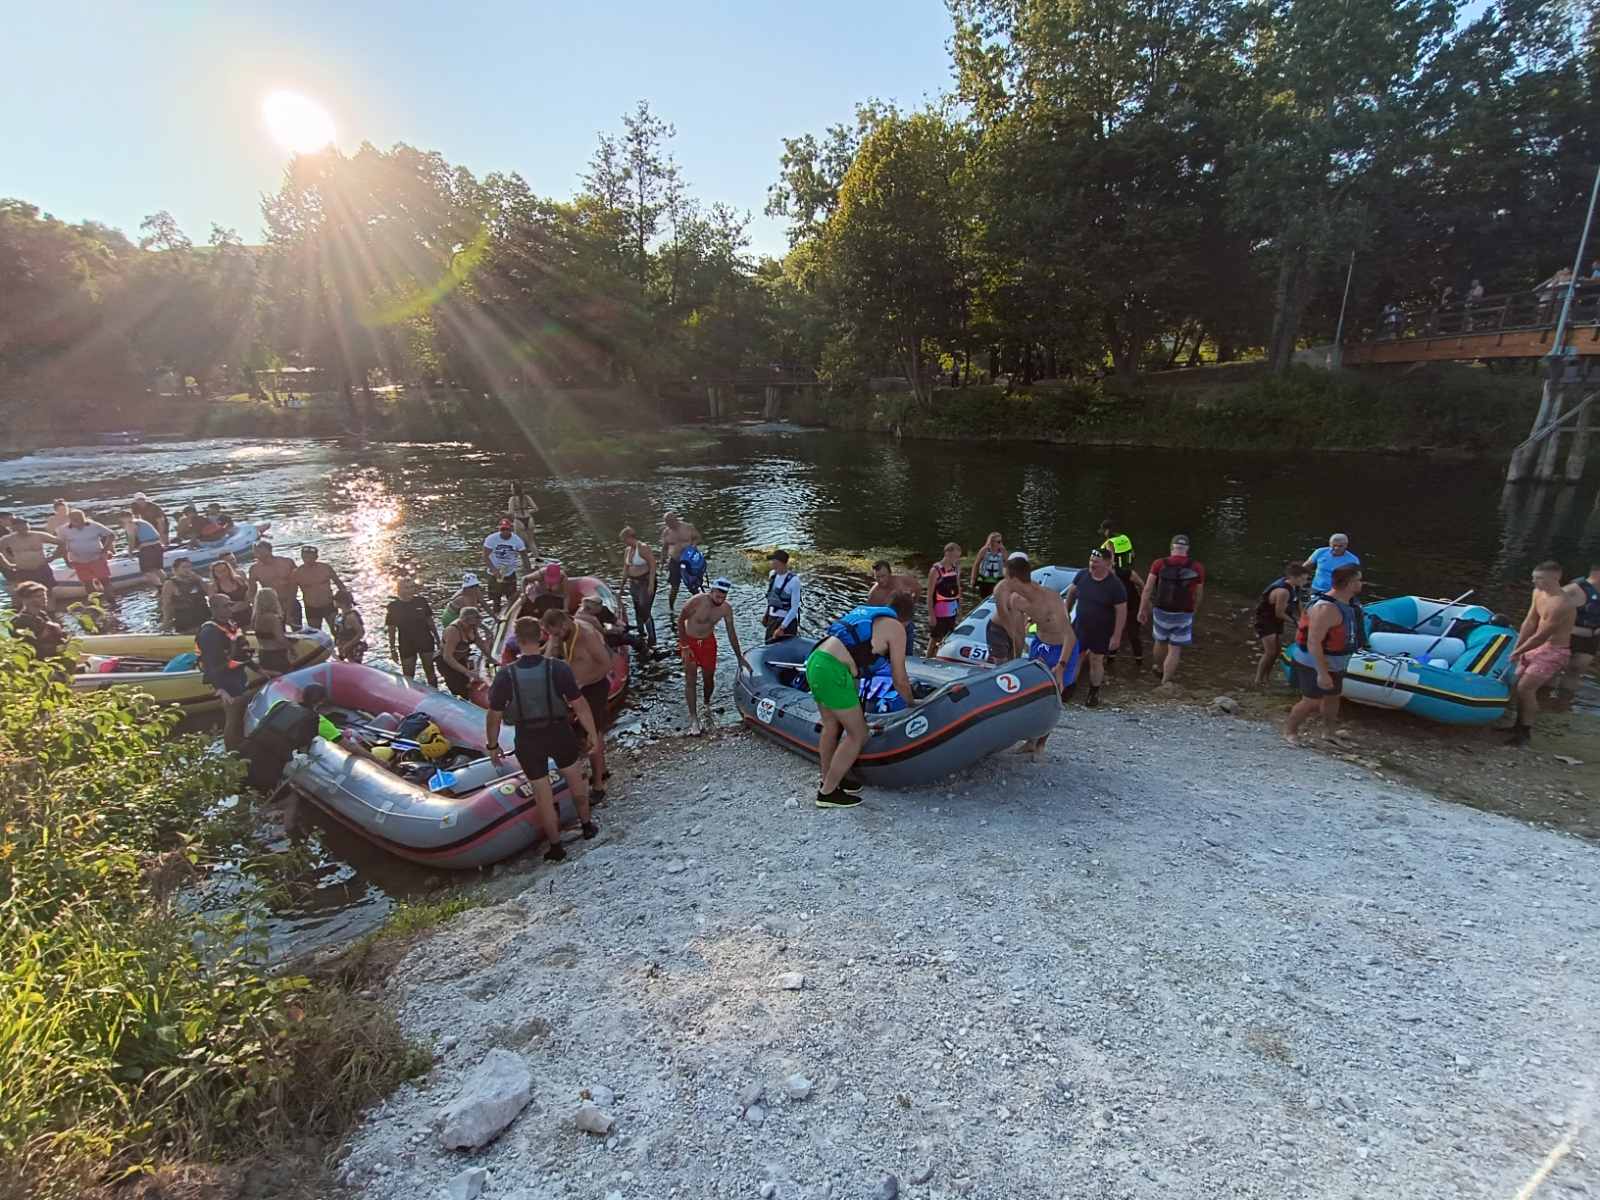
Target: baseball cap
[[1097, 552], [1180, 539], [722, 584], [505, 522], [1017, 556], [469, 580], [552, 571]]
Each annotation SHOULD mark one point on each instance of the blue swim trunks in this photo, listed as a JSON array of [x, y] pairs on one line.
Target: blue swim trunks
[[1044, 652]]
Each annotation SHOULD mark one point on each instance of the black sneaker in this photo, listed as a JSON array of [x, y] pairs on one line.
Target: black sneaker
[[1521, 735], [597, 795], [1094, 698], [556, 853], [838, 798], [590, 831], [851, 786]]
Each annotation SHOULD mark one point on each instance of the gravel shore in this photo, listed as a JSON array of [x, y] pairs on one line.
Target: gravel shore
[[1175, 958]]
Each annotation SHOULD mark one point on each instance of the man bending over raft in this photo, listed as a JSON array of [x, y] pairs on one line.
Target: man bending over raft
[[1053, 638], [1544, 645], [866, 641]]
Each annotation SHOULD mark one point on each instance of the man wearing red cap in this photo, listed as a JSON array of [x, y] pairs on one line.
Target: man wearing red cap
[[503, 550], [548, 589]]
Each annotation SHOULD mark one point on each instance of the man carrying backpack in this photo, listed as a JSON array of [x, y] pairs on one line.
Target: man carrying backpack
[[1173, 588]]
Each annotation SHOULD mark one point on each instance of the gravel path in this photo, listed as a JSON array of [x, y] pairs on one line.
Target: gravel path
[[1200, 964]]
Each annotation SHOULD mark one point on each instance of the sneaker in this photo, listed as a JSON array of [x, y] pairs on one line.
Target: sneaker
[[851, 786], [597, 795], [556, 853], [1521, 735], [837, 799], [590, 831], [1094, 698]]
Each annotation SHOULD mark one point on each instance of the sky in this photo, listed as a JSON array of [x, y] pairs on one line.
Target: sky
[[115, 110]]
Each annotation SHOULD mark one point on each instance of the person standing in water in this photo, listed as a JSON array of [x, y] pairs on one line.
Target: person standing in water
[[1280, 602], [697, 643], [639, 581], [1119, 547], [503, 550], [864, 643], [676, 534], [989, 567], [454, 660], [887, 583], [89, 546], [413, 633], [147, 510], [783, 599], [1585, 593], [317, 582], [1325, 560], [23, 557], [1544, 645], [60, 513], [536, 695], [1102, 616], [349, 630], [520, 507], [144, 544], [1322, 647], [272, 640], [185, 598], [277, 572], [944, 596], [1173, 589]]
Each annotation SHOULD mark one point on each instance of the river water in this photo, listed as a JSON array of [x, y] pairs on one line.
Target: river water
[[837, 501]]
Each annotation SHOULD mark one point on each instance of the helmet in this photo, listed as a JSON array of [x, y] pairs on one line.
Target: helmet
[[383, 754], [432, 743]]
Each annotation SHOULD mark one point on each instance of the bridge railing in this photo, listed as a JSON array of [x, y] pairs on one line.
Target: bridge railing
[[1491, 314]]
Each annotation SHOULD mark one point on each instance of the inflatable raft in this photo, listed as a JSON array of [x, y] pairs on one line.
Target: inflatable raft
[[970, 641], [960, 714], [1438, 660], [587, 585], [125, 573], [460, 811], [147, 660]]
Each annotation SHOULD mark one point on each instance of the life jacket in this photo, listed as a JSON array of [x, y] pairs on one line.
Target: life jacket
[[1589, 614], [144, 533], [343, 627], [778, 594], [1173, 593], [693, 562], [1266, 611], [191, 607], [991, 566], [534, 698], [420, 728], [854, 631], [1340, 642], [879, 695], [1121, 547], [947, 591]]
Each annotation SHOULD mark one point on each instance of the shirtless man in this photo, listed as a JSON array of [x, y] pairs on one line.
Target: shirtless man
[[277, 572], [23, 558], [1544, 645], [676, 533], [1048, 611], [583, 643], [697, 642], [886, 585], [60, 510], [317, 582], [1007, 634]]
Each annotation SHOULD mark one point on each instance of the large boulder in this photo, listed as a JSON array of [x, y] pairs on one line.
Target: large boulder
[[492, 1095]]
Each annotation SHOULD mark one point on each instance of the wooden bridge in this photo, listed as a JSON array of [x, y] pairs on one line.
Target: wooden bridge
[[1513, 325], [772, 382]]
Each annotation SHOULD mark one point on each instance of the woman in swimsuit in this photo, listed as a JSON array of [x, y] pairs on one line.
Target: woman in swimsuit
[[639, 580], [228, 582]]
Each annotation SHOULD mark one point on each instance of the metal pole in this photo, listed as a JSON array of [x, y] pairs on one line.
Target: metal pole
[[1577, 266], [1338, 337]]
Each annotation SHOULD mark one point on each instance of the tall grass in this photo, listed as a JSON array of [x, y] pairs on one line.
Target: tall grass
[[133, 1031]]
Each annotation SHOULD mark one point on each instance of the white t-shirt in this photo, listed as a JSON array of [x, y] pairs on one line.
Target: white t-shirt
[[83, 545], [504, 552]]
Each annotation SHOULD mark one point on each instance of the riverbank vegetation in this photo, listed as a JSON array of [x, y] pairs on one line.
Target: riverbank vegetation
[[1104, 189], [136, 1033]]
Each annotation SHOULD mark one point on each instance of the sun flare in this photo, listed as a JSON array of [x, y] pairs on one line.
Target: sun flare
[[296, 122]]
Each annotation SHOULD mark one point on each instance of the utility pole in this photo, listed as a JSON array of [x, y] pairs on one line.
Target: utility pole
[[1338, 337]]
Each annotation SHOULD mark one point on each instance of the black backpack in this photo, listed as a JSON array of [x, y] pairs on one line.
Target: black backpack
[[286, 728], [1172, 586]]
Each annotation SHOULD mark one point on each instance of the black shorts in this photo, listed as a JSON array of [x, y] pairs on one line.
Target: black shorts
[[459, 684], [999, 641], [598, 694], [943, 627], [539, 745], [42, 575], [1305, 678], [500, 587], [1095, 639], [411, 649], [316, 618], [1584, 639], [1264, 630], [152, 557], [986, 587]]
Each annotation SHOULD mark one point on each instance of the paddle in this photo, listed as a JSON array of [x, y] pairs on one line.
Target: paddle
[[1447, 605]]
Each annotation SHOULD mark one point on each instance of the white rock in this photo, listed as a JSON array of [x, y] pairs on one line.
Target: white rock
[[491, 1096], [468, 1185], [755, 1114], [922, 1174], [768, 1190], [797, 1087], [676, 867], [1226, 704], [601, 1096], [790, 981], [750, 1094], [590, 1119]]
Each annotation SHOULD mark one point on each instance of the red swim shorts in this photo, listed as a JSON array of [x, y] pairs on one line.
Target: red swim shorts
[[700, 651], [98, 571], [1544, 662]]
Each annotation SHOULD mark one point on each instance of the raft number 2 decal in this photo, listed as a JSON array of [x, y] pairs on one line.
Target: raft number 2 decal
[[1008, 683], [917, 726], [766, 710]]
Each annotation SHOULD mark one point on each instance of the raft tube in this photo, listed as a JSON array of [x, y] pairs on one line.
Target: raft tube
[[125, 573], [485, 814], [1434, 659], [962, 713], [969, 643], [587, 585], [139, 660]]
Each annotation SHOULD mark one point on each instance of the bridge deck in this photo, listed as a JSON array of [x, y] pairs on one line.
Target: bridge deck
[[1515, 325]]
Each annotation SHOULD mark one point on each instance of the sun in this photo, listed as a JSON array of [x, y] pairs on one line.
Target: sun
[[297, 122]]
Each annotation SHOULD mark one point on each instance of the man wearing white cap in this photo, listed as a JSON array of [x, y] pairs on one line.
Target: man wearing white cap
[[143, 508], [697, 642], [470, 596]]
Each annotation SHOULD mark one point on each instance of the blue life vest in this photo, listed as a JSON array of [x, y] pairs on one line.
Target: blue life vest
[[854, 630], [693, 561], [144, 533], [1589, 614]]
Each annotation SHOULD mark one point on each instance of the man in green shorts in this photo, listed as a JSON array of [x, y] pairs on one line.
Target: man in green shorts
[[866, 641]]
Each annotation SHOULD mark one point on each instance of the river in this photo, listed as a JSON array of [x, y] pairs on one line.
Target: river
[[836, 500]]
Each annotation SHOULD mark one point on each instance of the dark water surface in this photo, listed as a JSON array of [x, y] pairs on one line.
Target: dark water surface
[[837, 501]]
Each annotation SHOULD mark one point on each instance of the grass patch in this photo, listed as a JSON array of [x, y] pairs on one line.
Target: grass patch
[[857, 562]]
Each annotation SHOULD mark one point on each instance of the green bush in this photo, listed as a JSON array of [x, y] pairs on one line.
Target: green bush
[[132, 1030]]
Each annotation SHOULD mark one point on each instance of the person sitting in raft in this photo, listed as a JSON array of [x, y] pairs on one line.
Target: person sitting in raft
[[593, 609], [215, 524], [864, 643], [989, 567], [549, 588], [782, 620]]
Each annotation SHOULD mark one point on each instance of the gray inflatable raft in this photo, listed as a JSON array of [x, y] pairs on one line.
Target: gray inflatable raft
[[970, 641], [962, 713]]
